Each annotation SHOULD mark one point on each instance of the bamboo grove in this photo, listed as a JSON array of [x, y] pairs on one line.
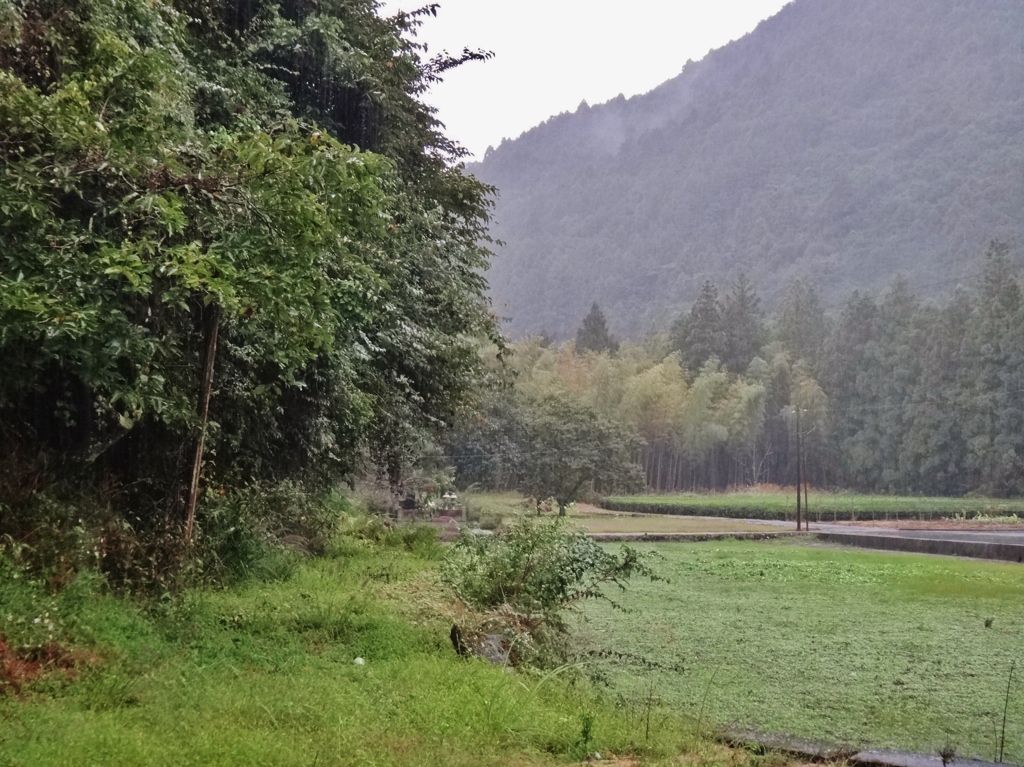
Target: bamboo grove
[[893, 393]]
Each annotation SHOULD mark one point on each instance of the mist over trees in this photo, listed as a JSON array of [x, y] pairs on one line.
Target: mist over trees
[[841, 144], [896, 393]]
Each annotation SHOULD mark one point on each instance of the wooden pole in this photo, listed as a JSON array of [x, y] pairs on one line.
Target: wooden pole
[[806, 483], [205, 388], [799, 466]]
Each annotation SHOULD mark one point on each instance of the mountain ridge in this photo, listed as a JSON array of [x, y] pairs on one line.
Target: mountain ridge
[[835, 143]]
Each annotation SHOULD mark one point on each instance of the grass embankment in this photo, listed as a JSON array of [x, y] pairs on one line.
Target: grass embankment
[[264, 673], [846, 646], [824, 507], [508, 506]]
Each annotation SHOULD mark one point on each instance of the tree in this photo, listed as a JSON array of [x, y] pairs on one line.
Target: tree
[[593, 335], [650, 403], [991, 406], [232, 239], [698, 428], [801, 324], [741, 321], [700, 335], [934, 450], [570, 447], [851, 372]]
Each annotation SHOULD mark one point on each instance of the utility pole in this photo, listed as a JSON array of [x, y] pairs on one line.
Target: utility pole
[[805, 480], [799, 468]]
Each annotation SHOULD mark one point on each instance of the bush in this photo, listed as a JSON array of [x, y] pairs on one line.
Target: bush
[[58, 533], [256, 532], [420, 540], [525, 578], [378, 498], [260, 530]]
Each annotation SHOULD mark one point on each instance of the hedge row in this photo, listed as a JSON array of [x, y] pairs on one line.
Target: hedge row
[[747, 512]]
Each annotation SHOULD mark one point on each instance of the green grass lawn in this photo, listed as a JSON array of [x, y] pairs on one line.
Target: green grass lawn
[[494, 505], [264, 673], [845, 646], [823, 506]]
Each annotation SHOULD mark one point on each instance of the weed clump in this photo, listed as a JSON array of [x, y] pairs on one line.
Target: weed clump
[[522, 581]]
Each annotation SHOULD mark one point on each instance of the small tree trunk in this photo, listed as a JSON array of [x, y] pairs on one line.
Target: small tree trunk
[[205, 388]]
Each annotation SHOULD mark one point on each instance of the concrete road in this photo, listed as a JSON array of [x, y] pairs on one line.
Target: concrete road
[[995, 536]]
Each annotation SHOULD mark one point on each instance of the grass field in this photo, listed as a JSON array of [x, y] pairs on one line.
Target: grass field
[[507, 506], [845, 646], [264, 674], [824, 507]]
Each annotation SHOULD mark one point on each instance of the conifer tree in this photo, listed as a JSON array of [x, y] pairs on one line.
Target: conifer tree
[[848, 369], [593, 336], [801, 325], [992, 412], [741, 322], [933, 453], [899, 368], [700, 335]]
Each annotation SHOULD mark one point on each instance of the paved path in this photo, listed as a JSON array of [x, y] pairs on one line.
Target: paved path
[[997, 536], [1006, 545], [818, 751], [993, 536]]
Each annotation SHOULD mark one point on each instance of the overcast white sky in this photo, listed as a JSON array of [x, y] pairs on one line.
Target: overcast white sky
[[552, 54]]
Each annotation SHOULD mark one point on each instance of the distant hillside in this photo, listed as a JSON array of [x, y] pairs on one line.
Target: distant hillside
[[841, 142]]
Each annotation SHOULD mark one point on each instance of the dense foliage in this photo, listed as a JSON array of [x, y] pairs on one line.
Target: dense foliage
[[231, 226], [842, 145], [892, 394], [573, 448], [523, 580]]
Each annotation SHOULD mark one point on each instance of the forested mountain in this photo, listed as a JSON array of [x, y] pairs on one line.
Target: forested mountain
[[840, 143]]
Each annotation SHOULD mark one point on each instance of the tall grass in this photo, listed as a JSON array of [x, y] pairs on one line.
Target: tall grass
[[263, 672]]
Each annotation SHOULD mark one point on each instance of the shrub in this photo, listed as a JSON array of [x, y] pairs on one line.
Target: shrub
[[60, 532], [420, 540], [525, 578], [255, 532], [258, 531], [378, 498]]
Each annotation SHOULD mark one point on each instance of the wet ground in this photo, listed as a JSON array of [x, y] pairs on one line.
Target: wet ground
[[980, 539]]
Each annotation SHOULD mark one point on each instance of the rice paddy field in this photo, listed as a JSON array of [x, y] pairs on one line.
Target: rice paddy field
[[849, 647], [496, 508], [824, 507]]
